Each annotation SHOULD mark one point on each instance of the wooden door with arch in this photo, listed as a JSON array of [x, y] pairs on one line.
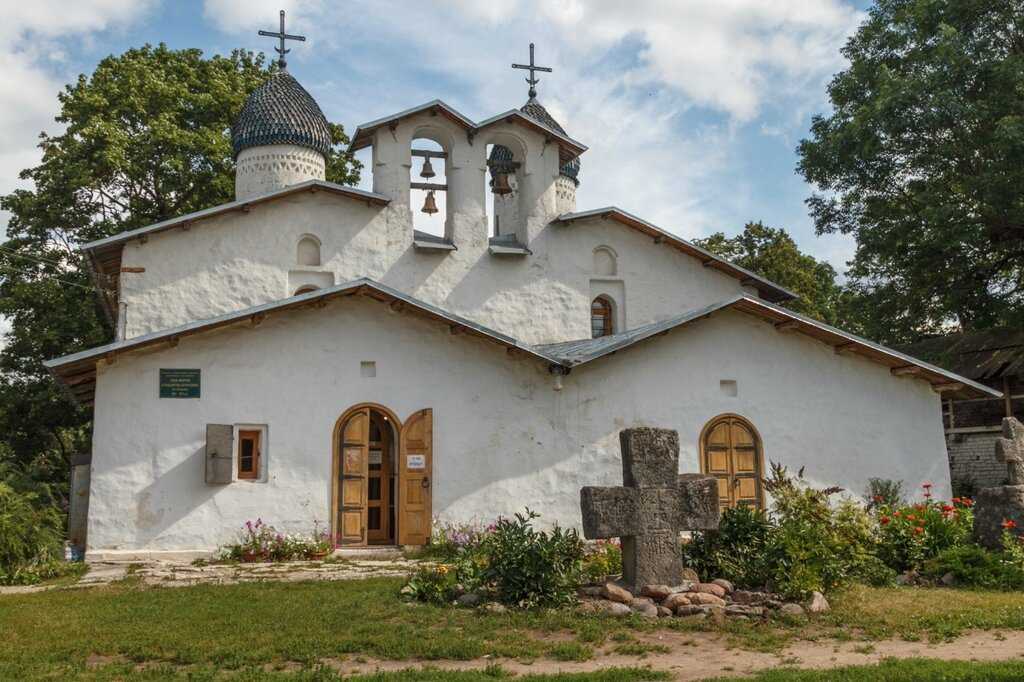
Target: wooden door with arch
[[353, 476], [415, 478], [731, 452]]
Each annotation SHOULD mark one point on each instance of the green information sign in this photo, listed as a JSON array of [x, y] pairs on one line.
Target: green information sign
[[179, 383]]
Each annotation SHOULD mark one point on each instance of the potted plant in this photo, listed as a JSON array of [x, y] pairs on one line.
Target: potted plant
[[320, 545]]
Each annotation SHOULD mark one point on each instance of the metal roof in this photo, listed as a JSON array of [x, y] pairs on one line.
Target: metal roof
[[575, 353], [239, 205], [770, 290], [77, 371], [568, 147]]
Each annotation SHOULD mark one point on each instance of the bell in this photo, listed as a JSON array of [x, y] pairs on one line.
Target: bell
[[428, 170], [429, 205], [499, 185]]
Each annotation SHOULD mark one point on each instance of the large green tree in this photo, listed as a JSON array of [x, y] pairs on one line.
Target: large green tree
[[146, 137], [922, 160], [772, 253]]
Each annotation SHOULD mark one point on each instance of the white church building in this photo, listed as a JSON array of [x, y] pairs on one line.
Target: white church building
[[303, 353]]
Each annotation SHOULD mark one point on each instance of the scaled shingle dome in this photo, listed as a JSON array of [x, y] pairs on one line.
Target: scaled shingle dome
[[281, 112]]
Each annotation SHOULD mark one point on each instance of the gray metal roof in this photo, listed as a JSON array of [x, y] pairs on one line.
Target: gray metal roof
[[281, 112], [576, 353], [362, 136], [766, 287], [236, 205], [501, 155], [292, 302]]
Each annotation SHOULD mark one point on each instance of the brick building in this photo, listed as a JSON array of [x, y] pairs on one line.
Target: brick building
[[994, 358]]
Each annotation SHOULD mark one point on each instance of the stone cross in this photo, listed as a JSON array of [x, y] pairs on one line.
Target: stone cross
[[1010, 449], [655, 503]]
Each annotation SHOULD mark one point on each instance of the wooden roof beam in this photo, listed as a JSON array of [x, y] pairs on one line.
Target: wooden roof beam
[[905, 370], [947, 387], [787, 326], [845, 347]]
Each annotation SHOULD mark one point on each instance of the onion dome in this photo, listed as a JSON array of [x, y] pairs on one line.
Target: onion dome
[[281, 112], [501, 156]]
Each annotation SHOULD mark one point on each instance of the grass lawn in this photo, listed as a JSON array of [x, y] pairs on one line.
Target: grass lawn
[[127, 632]]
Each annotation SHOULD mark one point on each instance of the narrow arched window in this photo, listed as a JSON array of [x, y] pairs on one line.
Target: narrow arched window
[[601, 317], [308, 251]]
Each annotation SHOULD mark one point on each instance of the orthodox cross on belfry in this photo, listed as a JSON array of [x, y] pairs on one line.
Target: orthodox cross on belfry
[[282, 36], [532, 68]]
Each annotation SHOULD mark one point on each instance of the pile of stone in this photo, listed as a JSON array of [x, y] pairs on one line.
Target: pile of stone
[[716, 600]]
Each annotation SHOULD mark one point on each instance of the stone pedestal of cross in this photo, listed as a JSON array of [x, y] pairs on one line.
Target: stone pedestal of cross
[[655, 503], [1001, 503]]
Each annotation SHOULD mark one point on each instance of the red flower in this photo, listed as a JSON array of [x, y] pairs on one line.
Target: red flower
[[926, 486], [884, 520], [911, 517], [1009, 524], [948, 508], [897, 513], [918, 530], [878, 498]]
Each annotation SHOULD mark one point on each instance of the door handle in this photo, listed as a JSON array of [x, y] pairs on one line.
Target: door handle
[[425, 483]]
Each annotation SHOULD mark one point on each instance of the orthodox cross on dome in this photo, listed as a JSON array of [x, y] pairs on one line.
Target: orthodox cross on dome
[[282, 36], [532, 68]]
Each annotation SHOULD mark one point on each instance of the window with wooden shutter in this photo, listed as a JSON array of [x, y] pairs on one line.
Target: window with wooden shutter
[[248, 454], [601, 317]]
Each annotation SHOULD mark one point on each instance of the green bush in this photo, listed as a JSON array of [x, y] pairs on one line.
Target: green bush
[[602, 559], [31, 536], [527, 567], [910, 535], [735, 551]]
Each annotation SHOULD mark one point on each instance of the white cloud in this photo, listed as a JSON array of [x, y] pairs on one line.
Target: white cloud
[[29, 87]]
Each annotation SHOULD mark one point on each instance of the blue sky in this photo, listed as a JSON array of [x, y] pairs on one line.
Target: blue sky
[[691, 110]]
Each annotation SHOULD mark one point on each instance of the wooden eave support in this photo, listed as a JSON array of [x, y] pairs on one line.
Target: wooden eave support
[[845, 347], [947, 387], [257, 319], [905, 370], [787, 326], [397, 306], [456, 329]]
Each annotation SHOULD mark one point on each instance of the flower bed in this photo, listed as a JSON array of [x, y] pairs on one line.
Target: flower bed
[[260, 542]]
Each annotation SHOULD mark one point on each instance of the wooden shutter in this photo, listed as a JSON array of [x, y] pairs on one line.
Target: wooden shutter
[[219, 438], [355, 441], [415, 471]]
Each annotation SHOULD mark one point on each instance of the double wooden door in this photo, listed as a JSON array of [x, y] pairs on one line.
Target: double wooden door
[[731, 452], [383, 492]]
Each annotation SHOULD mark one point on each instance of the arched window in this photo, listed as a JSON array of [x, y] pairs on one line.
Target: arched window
[[731, 452], [605, 262], [428, 187], [601, 317], [308, 251], [305, 289]]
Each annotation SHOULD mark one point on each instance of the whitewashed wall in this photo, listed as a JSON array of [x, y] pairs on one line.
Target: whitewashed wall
[[242, 259], [504, 439]]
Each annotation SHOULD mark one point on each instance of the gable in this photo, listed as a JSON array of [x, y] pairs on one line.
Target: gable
[[766, 288]]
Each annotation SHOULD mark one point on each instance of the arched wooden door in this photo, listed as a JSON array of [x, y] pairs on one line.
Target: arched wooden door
[[731, 452]]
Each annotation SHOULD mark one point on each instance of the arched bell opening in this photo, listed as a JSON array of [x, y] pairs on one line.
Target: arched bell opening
[[364, 499], [428, 186], [505, 154]]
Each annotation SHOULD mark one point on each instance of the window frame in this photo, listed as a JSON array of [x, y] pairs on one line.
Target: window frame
[[607, 313], [245, 433]]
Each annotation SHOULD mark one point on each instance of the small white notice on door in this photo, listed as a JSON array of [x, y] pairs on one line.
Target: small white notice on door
[[415, 462]]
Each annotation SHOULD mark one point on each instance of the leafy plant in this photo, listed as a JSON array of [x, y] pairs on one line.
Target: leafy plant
[[527, 567], [432, 585], [31, 534], [261, 542], [735, 551], [601, 559], [909, 535], [884, 491]]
